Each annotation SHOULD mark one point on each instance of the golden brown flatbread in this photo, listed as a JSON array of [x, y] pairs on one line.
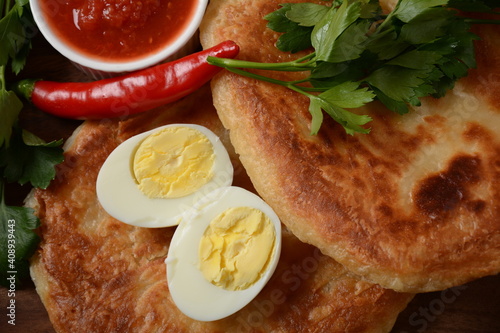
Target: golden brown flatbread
[[96, 274], [413, 206]]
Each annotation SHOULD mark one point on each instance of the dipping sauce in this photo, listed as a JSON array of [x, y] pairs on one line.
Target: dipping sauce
[[118, 30]]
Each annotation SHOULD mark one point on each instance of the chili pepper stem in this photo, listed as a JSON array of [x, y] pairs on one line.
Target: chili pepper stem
[[24, 88]]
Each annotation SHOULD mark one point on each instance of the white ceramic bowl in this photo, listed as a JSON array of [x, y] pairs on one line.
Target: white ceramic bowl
[[185, 43]]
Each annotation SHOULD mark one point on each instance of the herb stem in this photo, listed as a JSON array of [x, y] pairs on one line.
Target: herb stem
[[303, 64], [2, 78], [259, 77], [292, 85], [7, 7], [387, 20], [306, 57], [300, 90]]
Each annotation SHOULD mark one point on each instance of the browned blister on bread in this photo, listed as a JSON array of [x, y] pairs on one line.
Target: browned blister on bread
[[96, 274], [413, 206]]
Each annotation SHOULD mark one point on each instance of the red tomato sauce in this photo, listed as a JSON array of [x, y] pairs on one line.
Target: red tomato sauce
[[118, 29]]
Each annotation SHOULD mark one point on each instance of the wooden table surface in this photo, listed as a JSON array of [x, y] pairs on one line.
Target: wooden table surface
[[471, 308]]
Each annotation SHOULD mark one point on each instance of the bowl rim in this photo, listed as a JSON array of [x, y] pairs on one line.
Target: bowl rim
[[117, 66]]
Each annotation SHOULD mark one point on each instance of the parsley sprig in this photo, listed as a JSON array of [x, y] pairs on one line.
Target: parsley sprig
[[359, 54], [24, 157]]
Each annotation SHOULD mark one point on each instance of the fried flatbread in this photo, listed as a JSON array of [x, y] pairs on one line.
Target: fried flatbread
[[413, 206], [96, 274]]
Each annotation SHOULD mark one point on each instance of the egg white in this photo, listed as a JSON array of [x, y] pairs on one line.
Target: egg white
[[119, 195], [195, 296]]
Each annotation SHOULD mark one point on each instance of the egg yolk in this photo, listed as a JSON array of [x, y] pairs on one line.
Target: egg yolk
[[236, 248], [173, 162]]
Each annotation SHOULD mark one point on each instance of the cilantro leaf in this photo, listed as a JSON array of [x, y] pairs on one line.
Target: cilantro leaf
[[396, 106], [427, 28], [407, 10], [348, 95], [350, 121], [419, 49], [324, 37], [350, 44], [386, 46], [18, 241], [27, 160], [278, 21], [297, 40], [457, 49], [397, 82], [326, 75], [371, 9], [24, 158], [19, 59], [317, 115], [335, 100], [416, 59], [306, 14], [295, 37], [10, 106], [14, 46], [14, 43]]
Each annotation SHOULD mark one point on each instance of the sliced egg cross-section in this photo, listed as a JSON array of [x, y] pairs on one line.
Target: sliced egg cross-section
[[153, 178], [228, 240], [223, 254]]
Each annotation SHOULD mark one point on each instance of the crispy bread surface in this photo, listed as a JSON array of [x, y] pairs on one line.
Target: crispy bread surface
[[96, 274], [413, 206]]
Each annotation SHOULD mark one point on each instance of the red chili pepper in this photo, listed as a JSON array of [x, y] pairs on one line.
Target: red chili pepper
[[128, 94]]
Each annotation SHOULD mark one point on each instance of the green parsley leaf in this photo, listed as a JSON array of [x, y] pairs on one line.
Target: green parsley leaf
[[416, 59], [427, 28], [350, 121], [14, 46], [19, 60], [10, 106], [278, 21], [387, 45], [24, 158], [370, 9], [317, 115], [306, 14], [29, 160], [295, 37], [18, 241], [419, 49], [335, 100], [350, 44], [396, 106], [326, 75], [397, 82], [326, 33], [348, 95], [407, 10], [14, 42]]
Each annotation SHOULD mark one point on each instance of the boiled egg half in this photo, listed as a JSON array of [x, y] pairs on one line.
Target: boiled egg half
[[152, 179], [223, 253], [228, 240]]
